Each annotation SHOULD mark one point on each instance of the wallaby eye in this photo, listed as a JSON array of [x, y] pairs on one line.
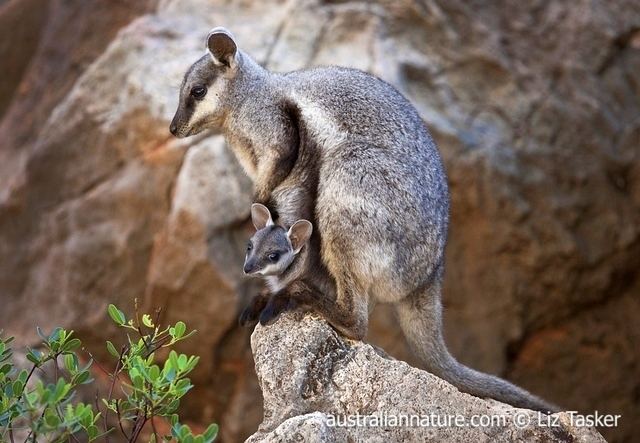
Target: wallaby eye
[[249, 246], [273, 257], [198, 91]]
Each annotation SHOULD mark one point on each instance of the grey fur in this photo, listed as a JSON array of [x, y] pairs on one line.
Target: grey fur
[[348, 152]]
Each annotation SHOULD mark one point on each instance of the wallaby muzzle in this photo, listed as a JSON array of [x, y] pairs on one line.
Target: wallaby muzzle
[[177, 126]]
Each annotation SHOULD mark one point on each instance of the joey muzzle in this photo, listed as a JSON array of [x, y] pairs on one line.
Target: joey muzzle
[[249, 267]]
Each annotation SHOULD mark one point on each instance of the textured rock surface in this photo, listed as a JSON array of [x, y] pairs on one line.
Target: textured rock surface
[[535, 106], [310, 377]]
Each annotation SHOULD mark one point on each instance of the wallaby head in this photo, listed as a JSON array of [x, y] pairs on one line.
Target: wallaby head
[[273, 248], [206, 86]]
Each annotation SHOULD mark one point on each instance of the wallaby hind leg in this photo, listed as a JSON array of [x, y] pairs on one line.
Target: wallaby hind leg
[[347, 312], [420, 316]]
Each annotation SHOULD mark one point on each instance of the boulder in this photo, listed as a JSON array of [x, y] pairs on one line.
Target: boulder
[[320, 387]]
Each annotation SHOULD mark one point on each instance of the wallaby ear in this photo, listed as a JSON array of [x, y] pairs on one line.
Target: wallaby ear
[[260, 216], [299, 233], [222, 47]]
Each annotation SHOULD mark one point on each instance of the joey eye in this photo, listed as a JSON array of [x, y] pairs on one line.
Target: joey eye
[[198, 92], [273, 257], [249, 246]]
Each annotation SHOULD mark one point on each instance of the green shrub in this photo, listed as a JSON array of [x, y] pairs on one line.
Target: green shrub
[[145, 388]]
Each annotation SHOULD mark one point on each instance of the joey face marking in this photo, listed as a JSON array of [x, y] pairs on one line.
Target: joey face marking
[[269, 252], [206, 86], [273, 248]]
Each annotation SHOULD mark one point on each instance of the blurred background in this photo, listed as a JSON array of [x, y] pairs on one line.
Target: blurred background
[[535, 107]]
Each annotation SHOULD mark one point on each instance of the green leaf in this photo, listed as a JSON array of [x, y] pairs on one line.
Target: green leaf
[[185, 431], [23, 375], [71, 363], [138, 382], [173, 360], [170, 375], [192, 362], [154, 373], [92, 432], [179, 329], [51, 419], [146, 320], [83, 378], [182, 362], [18, 386], [112, 350], [56, 334], [5, 368], [116, 315], [173, 406], [211, 433], [34, 356], [5, 355], [71, 345]]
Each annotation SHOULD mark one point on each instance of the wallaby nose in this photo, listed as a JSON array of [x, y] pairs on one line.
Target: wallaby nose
[[248, 267], [173, 128]]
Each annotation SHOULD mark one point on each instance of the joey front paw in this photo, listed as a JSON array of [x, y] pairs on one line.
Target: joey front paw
[[250, 315], [248, 318], [276, 305]]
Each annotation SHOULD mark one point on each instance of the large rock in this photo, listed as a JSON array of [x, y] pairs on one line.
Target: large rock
[[535, 106], [313, 381]]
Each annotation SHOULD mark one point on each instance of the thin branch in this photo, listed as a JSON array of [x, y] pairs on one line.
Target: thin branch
[[141, 420], [158, 344], [120, 421], [95, 400], [114, 377], [55, 367], [157, 320], [28, 377]]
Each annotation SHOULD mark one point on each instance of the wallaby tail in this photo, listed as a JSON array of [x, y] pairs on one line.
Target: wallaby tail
[[420, 317]]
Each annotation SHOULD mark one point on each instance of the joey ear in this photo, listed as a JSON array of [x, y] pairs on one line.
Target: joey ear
[[260, 216], [299, 233], [222, 47]]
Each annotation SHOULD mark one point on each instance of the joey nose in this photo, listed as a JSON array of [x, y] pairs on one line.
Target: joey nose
[[173, 128]]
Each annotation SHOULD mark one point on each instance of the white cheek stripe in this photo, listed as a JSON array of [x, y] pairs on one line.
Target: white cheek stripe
[[267, 269]]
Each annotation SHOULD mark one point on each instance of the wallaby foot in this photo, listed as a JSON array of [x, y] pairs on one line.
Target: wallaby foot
[[339, 314]]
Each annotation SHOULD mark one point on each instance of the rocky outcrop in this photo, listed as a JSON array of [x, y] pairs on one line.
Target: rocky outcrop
[[536, 109], [320, 387]]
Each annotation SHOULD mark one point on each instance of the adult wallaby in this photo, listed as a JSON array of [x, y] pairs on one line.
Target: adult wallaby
[[348, 152]]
